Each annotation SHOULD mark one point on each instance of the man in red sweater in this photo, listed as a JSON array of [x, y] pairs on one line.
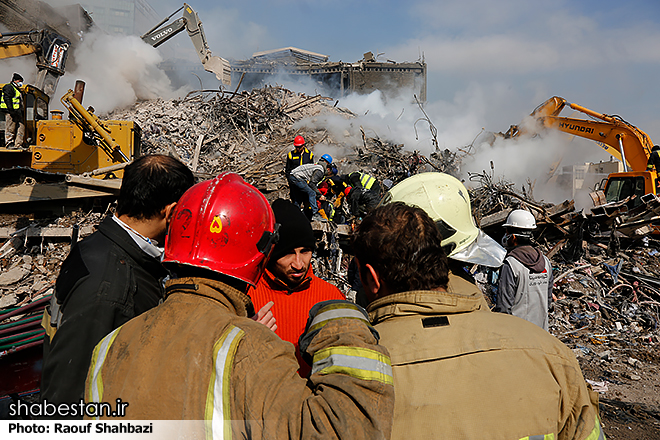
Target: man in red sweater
[[288, 280]]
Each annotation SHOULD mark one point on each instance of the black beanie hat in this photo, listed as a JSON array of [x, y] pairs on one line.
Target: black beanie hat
[[16, 77], [295, 229]]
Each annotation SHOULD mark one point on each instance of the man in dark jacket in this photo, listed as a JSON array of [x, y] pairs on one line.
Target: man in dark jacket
[[525, 284], [11, 103], [111, 276], [361, 200], [300, 155]]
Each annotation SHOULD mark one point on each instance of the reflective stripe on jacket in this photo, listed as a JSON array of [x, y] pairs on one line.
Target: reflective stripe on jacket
[[199, 357], [366, 180], [462, 371]]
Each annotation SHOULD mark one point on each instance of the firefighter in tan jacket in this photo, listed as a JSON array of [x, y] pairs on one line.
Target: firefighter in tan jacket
[[199, 357], [446, 200], [461, 371]]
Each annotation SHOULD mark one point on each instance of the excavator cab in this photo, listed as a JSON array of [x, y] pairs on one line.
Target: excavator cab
[[620, 186]]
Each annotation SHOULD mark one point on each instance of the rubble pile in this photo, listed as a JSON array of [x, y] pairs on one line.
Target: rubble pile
[[31, 253], [251, 132]]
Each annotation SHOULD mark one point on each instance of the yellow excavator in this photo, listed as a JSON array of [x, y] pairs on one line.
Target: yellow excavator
[[78, 157], [624, 141]]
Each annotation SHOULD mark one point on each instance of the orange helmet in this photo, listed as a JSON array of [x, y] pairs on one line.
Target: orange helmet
[[298, 141], [224, 225]]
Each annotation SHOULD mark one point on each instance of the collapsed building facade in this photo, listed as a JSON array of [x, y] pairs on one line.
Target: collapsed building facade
[[337, 78]]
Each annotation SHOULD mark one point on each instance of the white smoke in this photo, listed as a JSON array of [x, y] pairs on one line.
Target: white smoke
[[118, 71]]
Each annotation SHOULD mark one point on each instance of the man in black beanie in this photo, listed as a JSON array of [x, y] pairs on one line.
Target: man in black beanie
[[288, 280]]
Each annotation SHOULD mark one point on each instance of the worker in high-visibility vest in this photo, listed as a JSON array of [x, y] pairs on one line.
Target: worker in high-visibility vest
[[358, 179], [11, 104]]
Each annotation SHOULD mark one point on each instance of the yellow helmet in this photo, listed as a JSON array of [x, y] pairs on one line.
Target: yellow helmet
[[446, 200]]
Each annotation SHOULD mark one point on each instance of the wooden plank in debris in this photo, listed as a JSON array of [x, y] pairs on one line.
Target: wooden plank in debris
[[494, 219], [198, 148], [104, 184], [561, 208], [301, 104], [42, 192], [45, 231]]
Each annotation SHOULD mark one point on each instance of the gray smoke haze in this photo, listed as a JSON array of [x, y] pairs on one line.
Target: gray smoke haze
[[118, 71]]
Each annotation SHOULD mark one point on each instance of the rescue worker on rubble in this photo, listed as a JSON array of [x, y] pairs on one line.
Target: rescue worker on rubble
[[525, 282], [492, 375], [300, 155], [305, 179], [361, 201], [112, 275], [289, 280], [358, 179], [199, 357], [12, 105]]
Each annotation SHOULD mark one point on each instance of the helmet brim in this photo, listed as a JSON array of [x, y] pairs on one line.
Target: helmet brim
[[483, 251]]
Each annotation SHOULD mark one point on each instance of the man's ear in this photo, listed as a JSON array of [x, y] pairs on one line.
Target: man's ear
[[371, 282], [168, 211]]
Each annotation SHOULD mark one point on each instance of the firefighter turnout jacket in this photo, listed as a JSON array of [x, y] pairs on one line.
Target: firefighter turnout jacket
[[199, 357], [462, 371]]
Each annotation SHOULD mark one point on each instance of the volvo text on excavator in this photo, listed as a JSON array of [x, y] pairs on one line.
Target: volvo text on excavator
[[190, 22], [624, 141]]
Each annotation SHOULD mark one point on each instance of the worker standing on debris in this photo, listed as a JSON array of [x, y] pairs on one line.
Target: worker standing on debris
[[447, 201], [199, 357], [305, 179], [497, 376], [289, 280], [300, 155], [525, 283], [11, 103], [111, 276]]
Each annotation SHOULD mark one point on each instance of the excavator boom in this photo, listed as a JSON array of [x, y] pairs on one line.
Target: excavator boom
[[190, 22], [624, 141]]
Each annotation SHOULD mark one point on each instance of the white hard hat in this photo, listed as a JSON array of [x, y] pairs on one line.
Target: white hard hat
[[520, 219], [446, 200]]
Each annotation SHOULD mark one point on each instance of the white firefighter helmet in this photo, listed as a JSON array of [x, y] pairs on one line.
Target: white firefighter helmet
[[446, 200], [520, 219]]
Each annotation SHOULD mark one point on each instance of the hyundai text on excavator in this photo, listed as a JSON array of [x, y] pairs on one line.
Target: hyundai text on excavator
[[624, 141]]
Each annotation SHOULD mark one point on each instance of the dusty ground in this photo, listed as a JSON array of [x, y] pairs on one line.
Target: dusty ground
[[630, 377]]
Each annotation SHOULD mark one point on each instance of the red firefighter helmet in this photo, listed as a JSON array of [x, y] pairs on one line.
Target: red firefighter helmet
[[298, 141], [224, 225]]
